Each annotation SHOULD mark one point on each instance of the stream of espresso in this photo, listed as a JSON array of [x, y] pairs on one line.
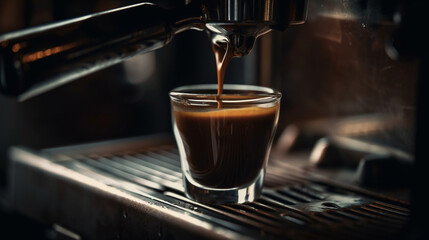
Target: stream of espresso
[[223, 54]]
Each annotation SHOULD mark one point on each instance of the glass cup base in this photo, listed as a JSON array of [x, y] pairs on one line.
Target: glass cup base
[[246, 193]]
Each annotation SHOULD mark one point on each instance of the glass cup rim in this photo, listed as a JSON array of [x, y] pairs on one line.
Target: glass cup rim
[[261, 95]]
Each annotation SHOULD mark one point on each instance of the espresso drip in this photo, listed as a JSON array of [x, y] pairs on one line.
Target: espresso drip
[[232, 40], [223, 54]]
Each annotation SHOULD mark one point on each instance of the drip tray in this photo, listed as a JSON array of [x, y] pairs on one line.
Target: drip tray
[[132, 188]]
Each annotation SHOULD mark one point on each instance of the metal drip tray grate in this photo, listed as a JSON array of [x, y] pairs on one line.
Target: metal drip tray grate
[[295, 204]]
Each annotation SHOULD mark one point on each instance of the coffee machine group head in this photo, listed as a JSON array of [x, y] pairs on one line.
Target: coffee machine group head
[[41, 58], [241, 21]]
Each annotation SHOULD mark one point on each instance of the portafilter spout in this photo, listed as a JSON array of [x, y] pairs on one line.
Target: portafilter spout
[[243, 21], [38, 59]]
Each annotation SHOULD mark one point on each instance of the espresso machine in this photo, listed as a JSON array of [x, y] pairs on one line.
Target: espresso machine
[[347, 162]]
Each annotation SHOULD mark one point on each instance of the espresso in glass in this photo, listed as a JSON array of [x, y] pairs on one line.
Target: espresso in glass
[[224, 140]]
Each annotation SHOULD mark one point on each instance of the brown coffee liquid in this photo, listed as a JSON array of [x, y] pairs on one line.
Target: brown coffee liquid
[[226, 148]]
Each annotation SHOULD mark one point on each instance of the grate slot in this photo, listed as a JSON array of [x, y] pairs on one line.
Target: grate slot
[[392, 207], [378, 218], [285, 209], [384, 213], [294, 195], [404, 214], [345, 215], [272, 195], [328, 217], [166, 170], [252, 210], [146, 159], [173, 159], [252, 216], [262, 207], [308, 192], [294, 219]]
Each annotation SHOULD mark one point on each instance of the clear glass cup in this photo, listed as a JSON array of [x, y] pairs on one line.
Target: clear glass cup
[[224, 141]]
